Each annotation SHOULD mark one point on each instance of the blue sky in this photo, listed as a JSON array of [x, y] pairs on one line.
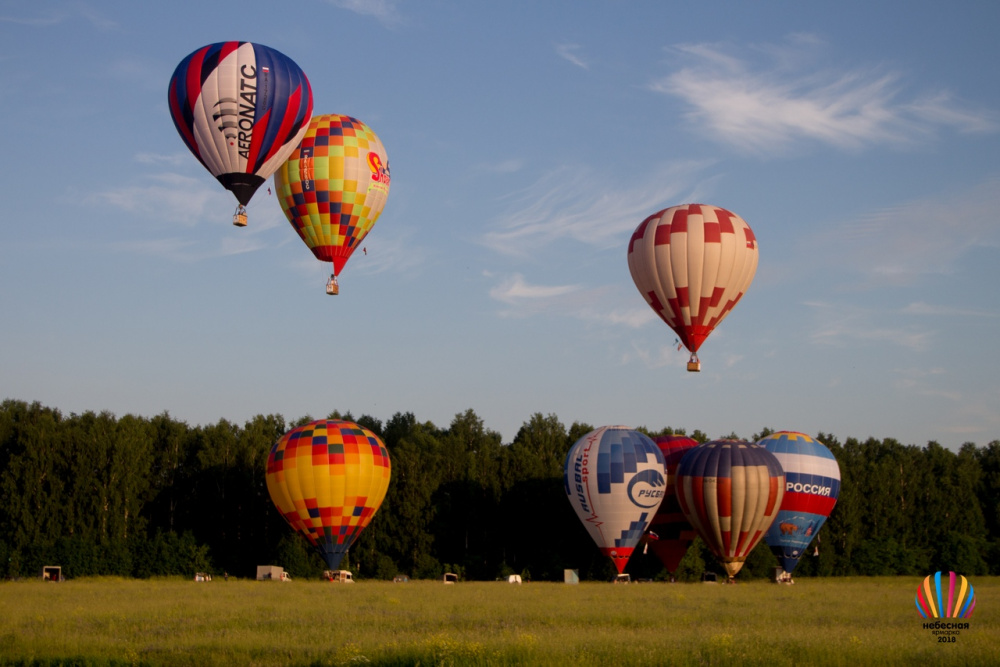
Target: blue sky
[[527, 140]]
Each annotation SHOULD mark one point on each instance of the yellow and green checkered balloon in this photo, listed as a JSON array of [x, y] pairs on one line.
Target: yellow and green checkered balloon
[[334, 186]]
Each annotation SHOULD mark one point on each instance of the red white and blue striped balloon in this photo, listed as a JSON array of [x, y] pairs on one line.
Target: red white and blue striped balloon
[[730, 491], [614, 480], [241, 108], [812, 485]]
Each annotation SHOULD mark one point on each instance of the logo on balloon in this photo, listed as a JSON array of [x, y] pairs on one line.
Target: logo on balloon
[[380, 172], [815, 489], [645, 489]]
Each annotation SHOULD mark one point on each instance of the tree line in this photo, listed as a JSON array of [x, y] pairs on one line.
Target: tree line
[[134, 496]]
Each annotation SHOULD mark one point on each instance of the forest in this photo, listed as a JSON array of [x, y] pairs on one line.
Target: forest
[[139, 497]]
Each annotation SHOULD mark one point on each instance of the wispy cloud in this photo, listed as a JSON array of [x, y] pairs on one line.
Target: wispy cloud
[[571, 53], [509, 166], [921, 308], [841, 325], [977, 414], [898, 244], [384, 11], [924, 382], [191, 250], [514, 291], [172, 159], [70, 13], [662, 356], [594, 305], [397, 252], [579, 204], [168, 196], [771, 106]]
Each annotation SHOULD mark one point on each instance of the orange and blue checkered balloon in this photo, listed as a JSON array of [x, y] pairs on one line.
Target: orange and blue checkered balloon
[[328, 478]]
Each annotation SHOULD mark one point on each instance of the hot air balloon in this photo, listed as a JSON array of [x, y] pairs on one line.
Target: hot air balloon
[[333, 188], [692, 264], [730, 491], [950, 598], [241, 108], [812, 485], [670, 534], [614, 480], [328, 478]]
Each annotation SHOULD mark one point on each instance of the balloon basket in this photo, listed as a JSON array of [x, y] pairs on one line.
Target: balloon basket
[[694, 366], [240, 217], [332, 288]]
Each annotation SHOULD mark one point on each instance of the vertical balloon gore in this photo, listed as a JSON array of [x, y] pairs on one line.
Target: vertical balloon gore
[[613, 478], [670, 534], [241, 108], [730, 491], [812, 485], [328, 478], [334, 186], [692, 264]]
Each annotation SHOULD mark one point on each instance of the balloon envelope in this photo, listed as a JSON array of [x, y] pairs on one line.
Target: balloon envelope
[[333, 187], [692, 264], [614, 480], [673, 533], [812, 485], [328, 478], [730, 491], [241, 108]]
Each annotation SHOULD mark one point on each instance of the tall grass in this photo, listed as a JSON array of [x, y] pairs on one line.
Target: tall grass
[[173, 622]]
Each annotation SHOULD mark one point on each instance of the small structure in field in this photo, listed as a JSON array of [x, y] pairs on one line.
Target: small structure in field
[[52, 573], [623, 578], [338, 576], [202, 576], [571, 576], [400, 579], [514, 579], [782, 577], [450, 577], [272, 573]]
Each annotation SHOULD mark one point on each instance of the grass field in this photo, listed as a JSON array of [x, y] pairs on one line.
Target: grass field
[[854, 621]]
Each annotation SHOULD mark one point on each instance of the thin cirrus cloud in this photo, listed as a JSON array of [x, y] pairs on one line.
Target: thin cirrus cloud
[[515, 290], [167, 196], [384, 11], [841, 325], [186, 250], [897, 245], [576, 203], [768, 108], [922, 308], [80, 10], [571, 54], [595, 305]]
